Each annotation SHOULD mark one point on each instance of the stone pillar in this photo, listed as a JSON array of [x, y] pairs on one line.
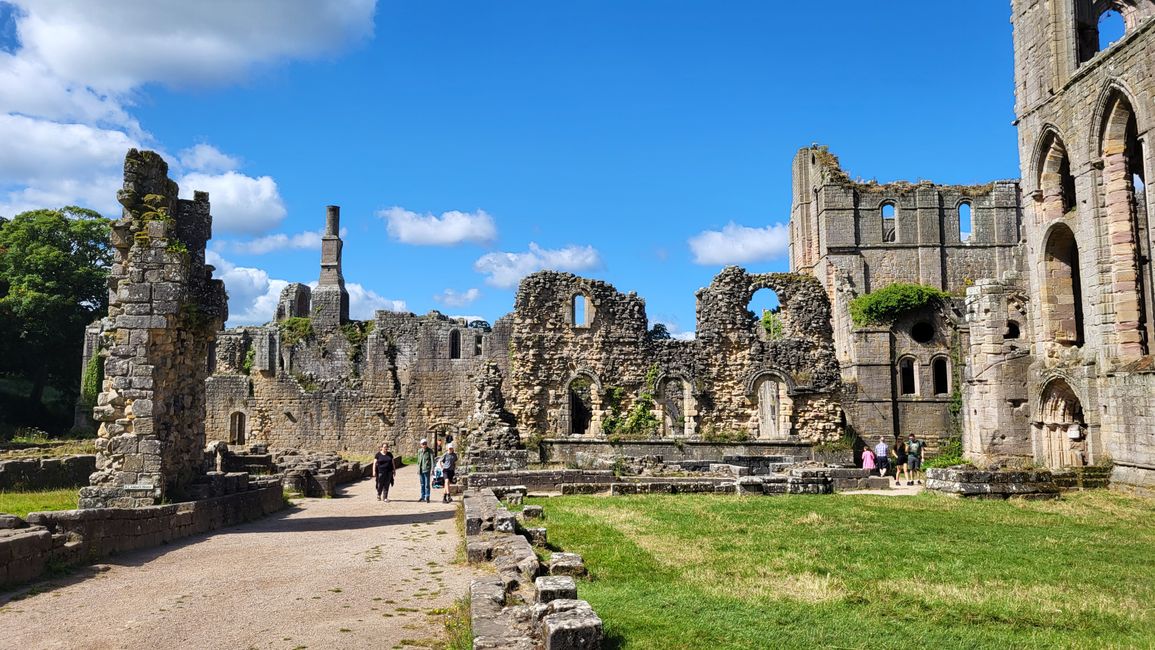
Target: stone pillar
[[163, 315], [330, 299]]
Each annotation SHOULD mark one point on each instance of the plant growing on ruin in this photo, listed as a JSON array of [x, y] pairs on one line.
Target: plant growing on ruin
[[886, 305], [247, 363], [772, 323], [90, 383], [176, 246], [307, 383], [951, 453], [356, 334], [295, 329], [725, 435]]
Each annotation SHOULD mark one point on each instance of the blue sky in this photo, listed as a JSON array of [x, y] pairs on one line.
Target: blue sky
[[471, 142]]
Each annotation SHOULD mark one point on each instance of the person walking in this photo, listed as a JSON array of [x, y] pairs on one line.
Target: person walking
[[882, 456], [424, 468], [448, 470], [868, 461], [914, 448], [900, 459], [383, 472]]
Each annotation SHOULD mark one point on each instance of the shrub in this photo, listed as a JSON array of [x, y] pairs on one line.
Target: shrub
[[90, 384], [888, 304], [772, 323], [295, 329], [250, 358], [950, 454]]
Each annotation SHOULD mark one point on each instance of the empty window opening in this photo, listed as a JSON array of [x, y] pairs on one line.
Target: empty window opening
[[580, 311], [673, 396], [766, 311], [1111, 28], [965, 227], [1012, 331], [889, 229], [907, 383], [237, 428], [581, 406], [941, 376], [454, 344], [1125, 204], [922, 332], [1062, 291], [774, 409], [477, 345]]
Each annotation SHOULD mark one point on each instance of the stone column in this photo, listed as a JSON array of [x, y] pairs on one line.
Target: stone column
[[164, 312]]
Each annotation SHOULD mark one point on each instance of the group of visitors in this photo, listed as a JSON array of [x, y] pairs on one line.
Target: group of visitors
[[441, 473], [907, 457]]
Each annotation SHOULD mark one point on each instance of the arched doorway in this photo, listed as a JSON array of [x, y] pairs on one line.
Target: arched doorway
[[581, 403], [1060, 438], [237, 428], [772, 397], [676, 402]]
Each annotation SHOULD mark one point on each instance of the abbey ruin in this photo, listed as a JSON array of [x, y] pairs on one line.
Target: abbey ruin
[[1040, 354]]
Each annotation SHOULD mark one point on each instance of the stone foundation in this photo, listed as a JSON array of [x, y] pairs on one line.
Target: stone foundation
[[25, 474], [992, 484]]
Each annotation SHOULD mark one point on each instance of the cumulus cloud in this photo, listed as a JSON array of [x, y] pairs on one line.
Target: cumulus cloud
[[208, 159], [252, 293], [117, 46], [736, 244], [240, 204], [308, 240], [450, 228], [505, 270], [67, 86], [363, 303], [454, 298]]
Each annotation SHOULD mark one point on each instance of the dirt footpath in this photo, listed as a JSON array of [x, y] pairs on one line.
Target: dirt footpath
[[347, 572]]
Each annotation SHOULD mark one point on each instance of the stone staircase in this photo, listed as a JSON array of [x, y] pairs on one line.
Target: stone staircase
[[1083, 478]]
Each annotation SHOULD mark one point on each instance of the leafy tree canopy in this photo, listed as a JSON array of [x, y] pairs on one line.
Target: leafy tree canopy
[[53, 271], [889, 303]]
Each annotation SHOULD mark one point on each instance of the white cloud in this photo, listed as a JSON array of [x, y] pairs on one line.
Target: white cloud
[[675, 330], [117, 46], [505, 270], [450, 228], [454, 298], [308, 240], [208, 159], [736, 244], [240, 204], [253, 295], [364, 303], [66, 90]]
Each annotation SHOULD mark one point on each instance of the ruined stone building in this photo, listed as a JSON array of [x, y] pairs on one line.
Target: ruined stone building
[[575, 359], [1057, 323], [857, 237]]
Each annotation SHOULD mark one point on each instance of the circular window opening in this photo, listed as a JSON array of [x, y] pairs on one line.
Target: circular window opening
[[922, 332]]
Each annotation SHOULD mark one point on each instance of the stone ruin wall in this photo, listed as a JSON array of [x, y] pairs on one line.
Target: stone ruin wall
[[838, 235], [321, 393], [720, 369], [164, 312], [1083, 117]]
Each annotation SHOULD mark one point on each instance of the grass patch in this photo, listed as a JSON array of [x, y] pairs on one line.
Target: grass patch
[[458, 626], [22, 503], [716, 571]]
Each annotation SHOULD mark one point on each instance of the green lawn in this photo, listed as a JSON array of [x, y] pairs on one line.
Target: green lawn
[[22, 503], [863, 571]]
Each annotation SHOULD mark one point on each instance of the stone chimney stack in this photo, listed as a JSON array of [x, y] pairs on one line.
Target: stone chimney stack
[[330, 299]]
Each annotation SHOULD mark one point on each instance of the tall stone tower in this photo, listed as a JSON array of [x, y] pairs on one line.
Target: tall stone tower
[[330, 299], [1084, 113]]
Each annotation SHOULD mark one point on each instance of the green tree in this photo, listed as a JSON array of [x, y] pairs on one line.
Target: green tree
[[53, 283]]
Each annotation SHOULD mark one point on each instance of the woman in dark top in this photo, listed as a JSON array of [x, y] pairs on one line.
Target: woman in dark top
[[900, 462], [383, 471], [449, 470]]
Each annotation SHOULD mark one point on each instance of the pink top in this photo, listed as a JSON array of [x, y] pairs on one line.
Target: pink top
[[867, 459]]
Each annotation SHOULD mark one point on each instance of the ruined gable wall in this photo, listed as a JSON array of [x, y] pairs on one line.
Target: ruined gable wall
[[719, 368]]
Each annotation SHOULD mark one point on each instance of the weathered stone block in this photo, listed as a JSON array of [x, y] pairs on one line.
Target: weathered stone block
[[550, 588]]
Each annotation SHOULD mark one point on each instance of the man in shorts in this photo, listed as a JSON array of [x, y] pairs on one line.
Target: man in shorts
[[882, 456], [914, 458]]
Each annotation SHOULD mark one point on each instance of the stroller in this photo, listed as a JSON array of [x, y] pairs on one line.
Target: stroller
[[438, 477]]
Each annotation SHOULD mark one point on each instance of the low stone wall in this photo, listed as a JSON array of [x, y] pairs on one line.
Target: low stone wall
[[1129, 479], [992, 484], [541, 479], [519, 608], [27, 474], [565, 450], [71, 537]]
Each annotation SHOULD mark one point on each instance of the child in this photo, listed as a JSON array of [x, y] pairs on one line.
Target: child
[[868, 460]]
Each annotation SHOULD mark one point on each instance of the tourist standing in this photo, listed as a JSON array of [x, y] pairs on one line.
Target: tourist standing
[[914, 448], [383, 472], [882, 456], [868, 461], [900, 457], [424, 468], [448, 470]]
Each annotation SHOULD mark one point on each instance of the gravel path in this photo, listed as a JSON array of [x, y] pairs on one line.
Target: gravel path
[[347, 572]]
